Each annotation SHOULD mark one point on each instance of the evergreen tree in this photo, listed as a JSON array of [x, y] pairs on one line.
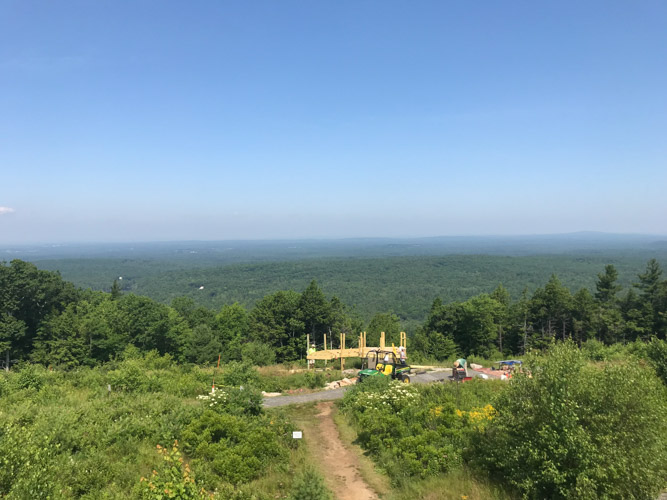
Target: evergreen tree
[[315, 312], [606, 286], [204, 346], [115, 290]]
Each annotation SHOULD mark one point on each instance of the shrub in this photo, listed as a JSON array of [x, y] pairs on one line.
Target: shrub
[[258, 354], [235, 401], [574, 430], [656, 352], [129, 377], [236, 374], [597, 351], [281, 380], [173, 479], [309, 485], [234, 449], [30, 377], [418, 431]]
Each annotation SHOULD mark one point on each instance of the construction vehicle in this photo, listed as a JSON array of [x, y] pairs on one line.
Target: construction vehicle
[[384, 363]]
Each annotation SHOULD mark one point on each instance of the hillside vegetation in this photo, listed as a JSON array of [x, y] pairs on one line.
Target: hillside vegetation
[[106, 394], [46, 319], [405, 286]]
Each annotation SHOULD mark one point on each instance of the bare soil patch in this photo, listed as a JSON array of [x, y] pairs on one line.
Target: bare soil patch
[[339, 465]]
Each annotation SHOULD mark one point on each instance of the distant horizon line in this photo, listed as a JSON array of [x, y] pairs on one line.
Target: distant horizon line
[[315, 239]]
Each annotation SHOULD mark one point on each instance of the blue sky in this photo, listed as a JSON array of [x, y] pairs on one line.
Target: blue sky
[[165, 120]]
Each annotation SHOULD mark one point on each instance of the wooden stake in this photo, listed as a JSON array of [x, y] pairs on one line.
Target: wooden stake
[[342, 348], [214, 374]]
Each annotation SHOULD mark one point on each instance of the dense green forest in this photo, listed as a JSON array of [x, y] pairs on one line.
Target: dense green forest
[[405, 286], [48, 320]]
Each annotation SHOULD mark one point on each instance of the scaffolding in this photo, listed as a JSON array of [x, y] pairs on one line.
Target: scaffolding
[[329, 354]]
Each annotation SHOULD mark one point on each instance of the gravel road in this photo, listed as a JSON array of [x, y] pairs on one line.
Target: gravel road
[[417, 378]]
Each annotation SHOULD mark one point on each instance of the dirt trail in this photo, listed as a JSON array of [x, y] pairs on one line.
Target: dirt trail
[[339, 465]]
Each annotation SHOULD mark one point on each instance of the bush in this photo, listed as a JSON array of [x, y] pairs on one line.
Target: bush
[[418, 430], [258, 354], [30, 377], [595, 350], [236, 374], [130, 376], [574, 430], [235, 401], [281, 380], [309, 485], [656, 352], [173, 479], [234, 449]]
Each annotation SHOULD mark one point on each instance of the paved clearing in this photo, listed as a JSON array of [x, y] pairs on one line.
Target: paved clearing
[[421, 378]]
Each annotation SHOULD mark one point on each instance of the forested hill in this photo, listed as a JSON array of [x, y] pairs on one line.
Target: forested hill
[[406, 286]]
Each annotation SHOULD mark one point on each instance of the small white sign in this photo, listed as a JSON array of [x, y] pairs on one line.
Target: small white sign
[[297, 435]]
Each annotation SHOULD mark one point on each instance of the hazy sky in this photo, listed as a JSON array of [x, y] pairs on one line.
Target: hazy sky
[[170, 120]]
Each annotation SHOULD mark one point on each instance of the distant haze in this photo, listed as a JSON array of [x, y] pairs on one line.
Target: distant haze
[[212, 253]]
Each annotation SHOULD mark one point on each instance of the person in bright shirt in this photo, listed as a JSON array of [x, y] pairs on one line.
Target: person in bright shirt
[[461, 367], [311, 350]]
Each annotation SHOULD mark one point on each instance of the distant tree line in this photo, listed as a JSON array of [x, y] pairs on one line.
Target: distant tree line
[[47, 320], [490, 323]]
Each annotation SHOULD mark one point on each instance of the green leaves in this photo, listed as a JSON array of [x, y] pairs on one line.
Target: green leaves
[[574, 430]]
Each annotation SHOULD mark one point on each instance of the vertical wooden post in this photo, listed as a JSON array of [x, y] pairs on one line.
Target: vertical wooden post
[[325, 347], [342, 348], [381, 340], [404, 342], [307, 349], [214, 374]]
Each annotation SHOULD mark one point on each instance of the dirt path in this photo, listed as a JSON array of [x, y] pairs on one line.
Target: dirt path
[[339, 465]]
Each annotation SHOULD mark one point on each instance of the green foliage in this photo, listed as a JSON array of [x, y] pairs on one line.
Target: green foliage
[[204, 346], [606, 286], [233, 448], [574, 430], [81, 329], [417, 431], [235, 401], [172, 480], [656, 352], [130, 376], [233, 328], [388, 323], [30, 377], [594, 350], [309, 485], [236, 374], [258, 354], [62, 435], [278, 381]]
